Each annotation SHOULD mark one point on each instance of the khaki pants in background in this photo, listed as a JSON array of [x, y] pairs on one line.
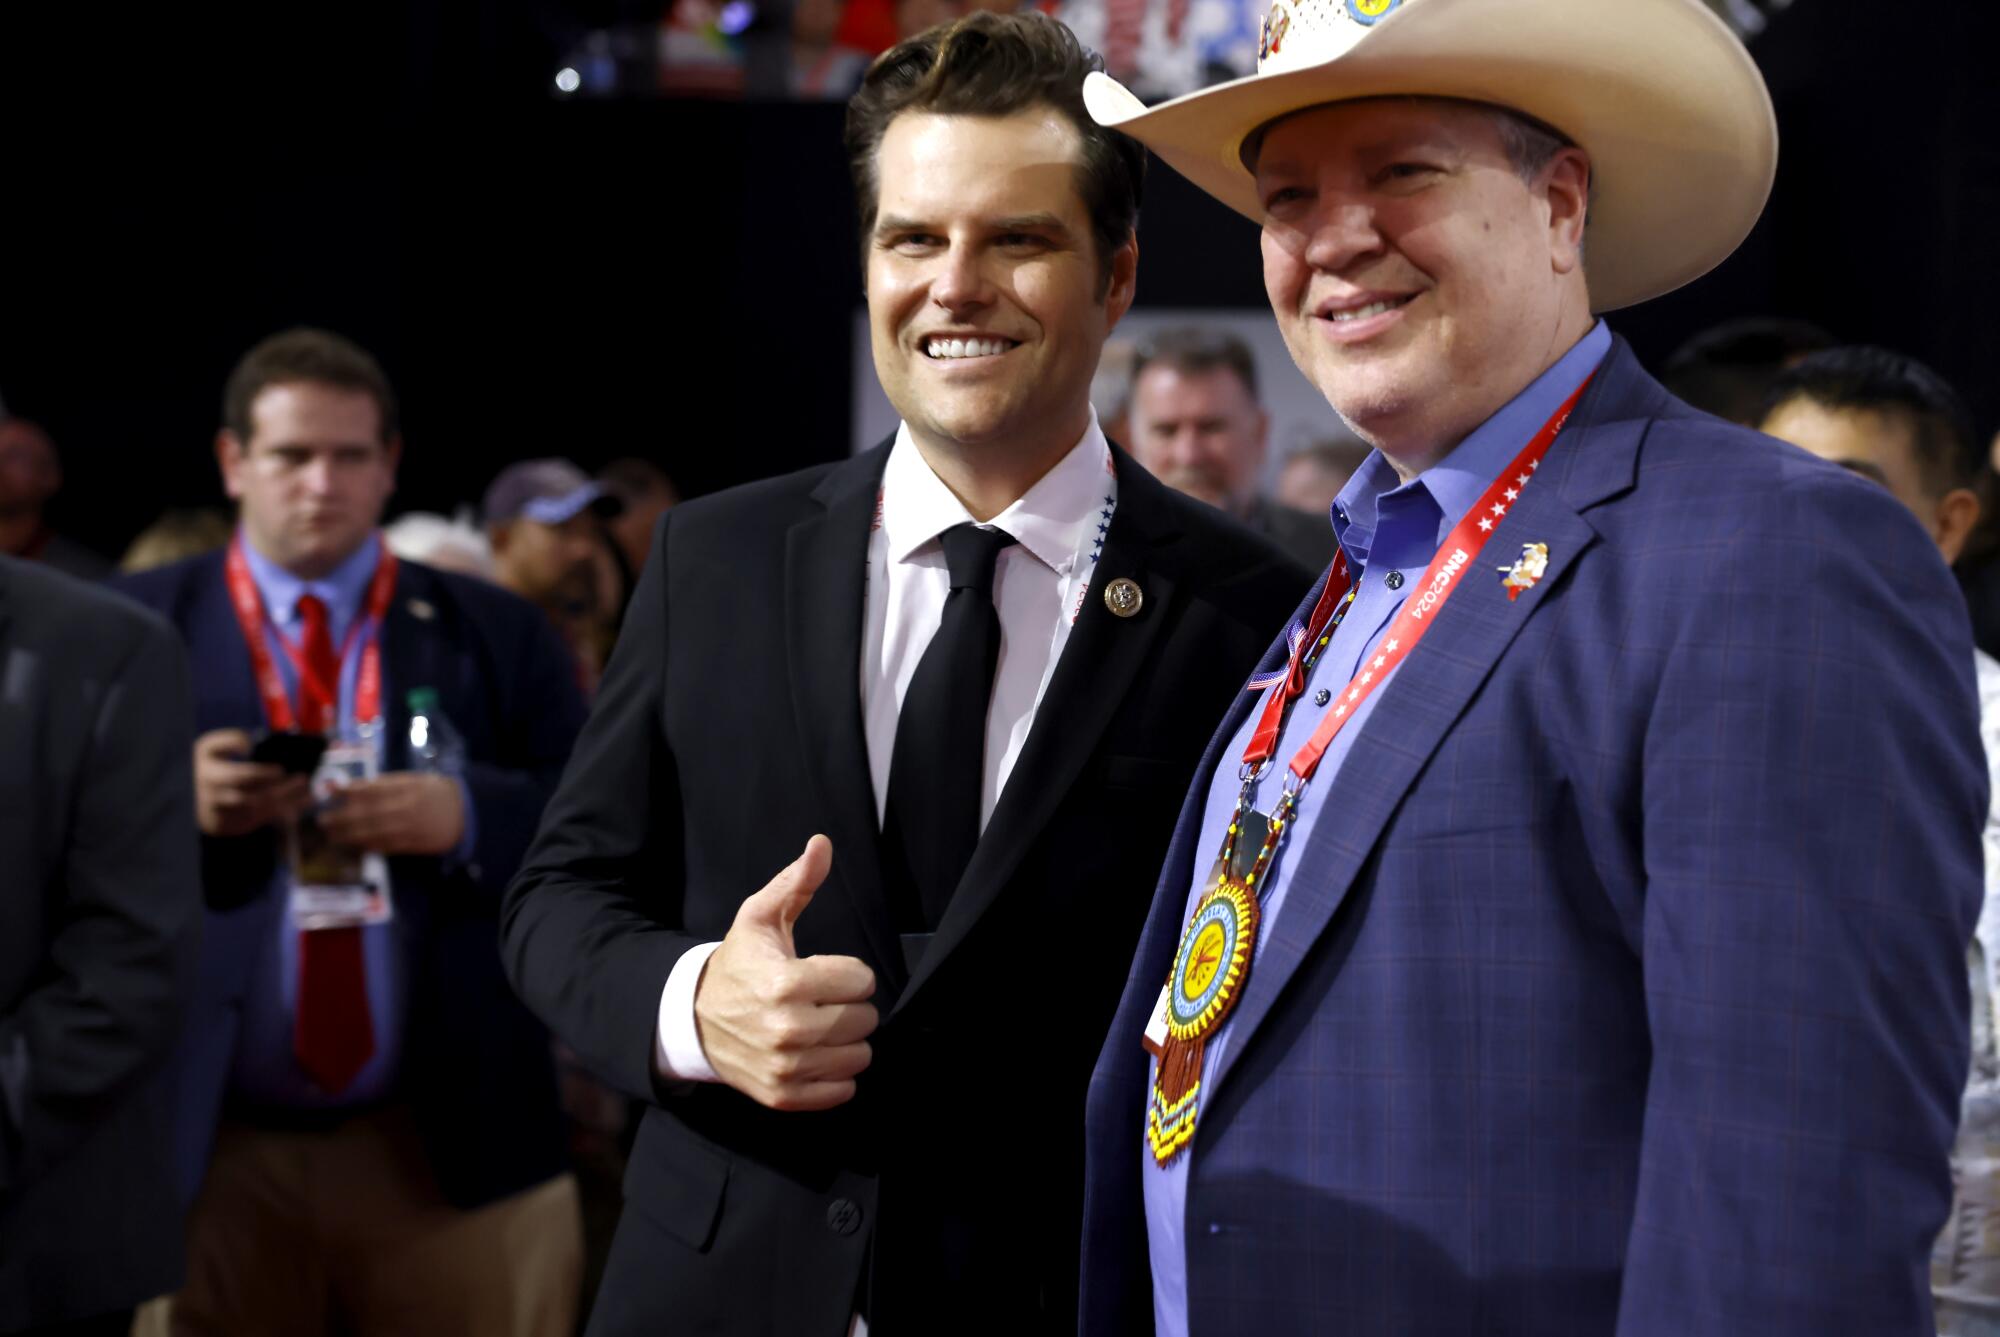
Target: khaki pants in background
[[341, 1233]]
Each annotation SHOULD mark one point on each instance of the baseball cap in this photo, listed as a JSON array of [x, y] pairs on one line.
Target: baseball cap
[[549, 491]]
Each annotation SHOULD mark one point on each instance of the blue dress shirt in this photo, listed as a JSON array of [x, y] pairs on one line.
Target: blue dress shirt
[[1390, 532], [266, 1072]]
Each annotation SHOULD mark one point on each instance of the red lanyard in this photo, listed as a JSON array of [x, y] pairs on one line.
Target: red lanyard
[[1412, 620], [250, 615]]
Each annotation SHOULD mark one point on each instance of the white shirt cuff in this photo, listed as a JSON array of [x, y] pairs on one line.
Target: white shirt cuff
[[677, 1051]]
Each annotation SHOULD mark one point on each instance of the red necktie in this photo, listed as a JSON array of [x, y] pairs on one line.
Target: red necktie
[[332, 1033]]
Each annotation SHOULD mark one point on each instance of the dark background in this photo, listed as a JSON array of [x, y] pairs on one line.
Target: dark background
[[676, 279]]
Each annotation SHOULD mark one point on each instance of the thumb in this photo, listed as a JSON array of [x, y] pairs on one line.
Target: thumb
[[779, 902]]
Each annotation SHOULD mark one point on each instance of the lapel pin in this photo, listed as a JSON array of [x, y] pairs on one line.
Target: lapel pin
[[1528, 568], [1124, 597], [421, 610]]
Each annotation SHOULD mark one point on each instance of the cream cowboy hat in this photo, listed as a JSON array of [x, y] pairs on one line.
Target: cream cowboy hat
[[1673, 113]]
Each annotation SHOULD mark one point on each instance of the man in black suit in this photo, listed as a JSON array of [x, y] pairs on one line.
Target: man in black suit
[[98, 929], [983, 658], [368, 1113]]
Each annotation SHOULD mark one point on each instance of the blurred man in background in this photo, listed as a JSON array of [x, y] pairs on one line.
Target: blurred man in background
[[30, 477], [1728, 370], [100, 910], [1312, 476], [545, 520], [369, 1115], [645, 493], [1891, 419], [1197, 425]]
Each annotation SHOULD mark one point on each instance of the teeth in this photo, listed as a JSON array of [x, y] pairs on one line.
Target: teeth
[[951, 348], [1363, 312]]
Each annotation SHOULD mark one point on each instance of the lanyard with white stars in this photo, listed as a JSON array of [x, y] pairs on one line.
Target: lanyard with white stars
[[1412, 620]]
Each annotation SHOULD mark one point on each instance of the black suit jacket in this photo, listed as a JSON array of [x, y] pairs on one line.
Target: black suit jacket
[[728, 731], [476, 1067], [100, 908]]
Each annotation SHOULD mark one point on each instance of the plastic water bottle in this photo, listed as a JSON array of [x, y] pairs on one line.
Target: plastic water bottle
[[434, 743]]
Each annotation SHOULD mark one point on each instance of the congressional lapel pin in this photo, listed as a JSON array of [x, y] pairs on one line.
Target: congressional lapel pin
[[1528, 568], [1124, 597], [421, 610]]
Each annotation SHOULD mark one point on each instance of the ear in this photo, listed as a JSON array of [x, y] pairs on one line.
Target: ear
[[1124, 284], [498, 532], [1957, 512], [394, 450], [1565, 186], [231, 458]]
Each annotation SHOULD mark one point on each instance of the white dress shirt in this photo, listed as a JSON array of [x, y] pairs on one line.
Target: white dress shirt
[[1039, 586]]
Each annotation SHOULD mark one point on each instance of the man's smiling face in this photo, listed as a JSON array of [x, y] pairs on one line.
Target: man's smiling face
[[987, 302], [1418, 280]]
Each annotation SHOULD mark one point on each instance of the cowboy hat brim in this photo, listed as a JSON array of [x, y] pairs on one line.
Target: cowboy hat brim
[[1679, 127]]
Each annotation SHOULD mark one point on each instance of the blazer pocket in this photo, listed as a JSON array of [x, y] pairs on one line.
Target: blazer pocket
[[677, 1183]]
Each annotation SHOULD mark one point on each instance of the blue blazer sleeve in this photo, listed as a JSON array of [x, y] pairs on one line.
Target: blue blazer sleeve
[[1812, 877]]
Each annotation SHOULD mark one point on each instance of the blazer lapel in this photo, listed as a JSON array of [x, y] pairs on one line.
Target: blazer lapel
[[411, 657], [826, 558], [1592, 459], [1103, 653]]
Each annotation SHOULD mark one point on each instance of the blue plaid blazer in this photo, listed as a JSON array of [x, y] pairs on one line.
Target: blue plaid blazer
[[1621, 986]]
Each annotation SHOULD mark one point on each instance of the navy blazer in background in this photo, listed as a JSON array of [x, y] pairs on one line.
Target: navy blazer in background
[[100, 909], [476, 1066], [1620, 988]]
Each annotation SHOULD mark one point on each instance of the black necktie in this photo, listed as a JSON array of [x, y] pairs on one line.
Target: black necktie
[[931, 822]]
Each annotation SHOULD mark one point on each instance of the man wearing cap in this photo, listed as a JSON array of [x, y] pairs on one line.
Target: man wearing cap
[[367, 1118], [1569, 938], [544, 519], [842, 880]]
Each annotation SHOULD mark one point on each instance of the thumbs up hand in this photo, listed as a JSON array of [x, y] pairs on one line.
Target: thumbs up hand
[[788, 1031]]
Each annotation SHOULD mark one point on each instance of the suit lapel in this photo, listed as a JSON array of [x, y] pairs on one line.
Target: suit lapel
[[1103, 653], [1592, 459], [410, 656], [826, 558]]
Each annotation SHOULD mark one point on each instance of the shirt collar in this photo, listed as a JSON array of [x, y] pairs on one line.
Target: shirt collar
[[340, 590], [1050, 520], [1456, 482]]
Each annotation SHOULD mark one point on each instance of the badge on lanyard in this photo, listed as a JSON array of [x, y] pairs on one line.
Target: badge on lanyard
[[332, 885], [335, 885]]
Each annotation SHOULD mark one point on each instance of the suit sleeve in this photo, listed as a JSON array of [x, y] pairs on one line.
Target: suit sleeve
[[1814, 792], [121, 956], [542, 714], [591, 926]]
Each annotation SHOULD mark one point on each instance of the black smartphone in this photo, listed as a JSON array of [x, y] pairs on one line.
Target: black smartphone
[[296, 753]]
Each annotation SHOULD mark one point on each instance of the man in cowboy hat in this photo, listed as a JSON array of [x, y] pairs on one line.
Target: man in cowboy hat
[[1569, 936]]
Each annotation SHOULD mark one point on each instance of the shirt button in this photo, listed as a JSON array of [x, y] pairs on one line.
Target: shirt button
[[843, 1216], [1322, 696], [1394, 580]]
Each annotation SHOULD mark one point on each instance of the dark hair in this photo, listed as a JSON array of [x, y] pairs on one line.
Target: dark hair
[[1728, 369], [1191, 351], [302, 354], [1876, 379], [988, 64]]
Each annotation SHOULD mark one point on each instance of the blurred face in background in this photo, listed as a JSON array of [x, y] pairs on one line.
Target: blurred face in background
[[987, 302], [1199, 432], [29, 475], [1883, 447], [312, 480], [551, 565]]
